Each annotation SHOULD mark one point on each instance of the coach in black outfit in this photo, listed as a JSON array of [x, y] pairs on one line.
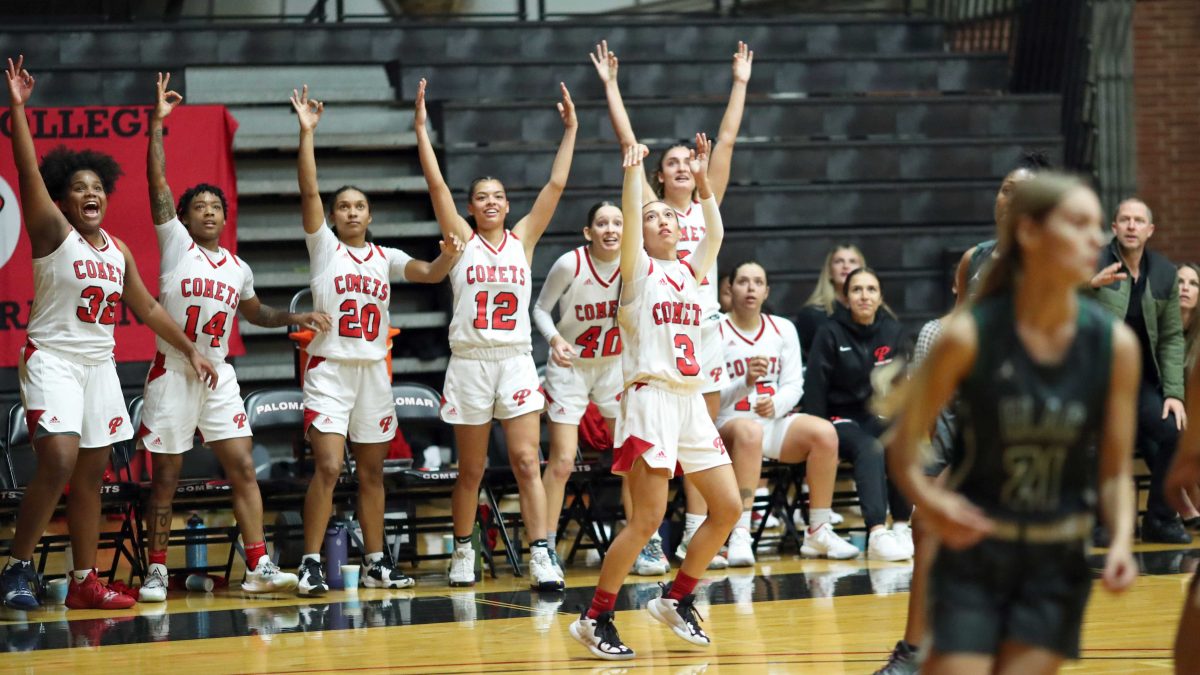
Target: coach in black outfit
[[1139, 286]]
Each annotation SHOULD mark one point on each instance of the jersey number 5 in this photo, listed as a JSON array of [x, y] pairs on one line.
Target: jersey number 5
[[686, 361], [502, 315], [98, 309], [762, 389]]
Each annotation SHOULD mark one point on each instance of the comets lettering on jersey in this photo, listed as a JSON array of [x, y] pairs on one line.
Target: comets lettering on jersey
[[496, 274], [90, 269], [593, 311], [197, 287], [683, 313], [363, 285]]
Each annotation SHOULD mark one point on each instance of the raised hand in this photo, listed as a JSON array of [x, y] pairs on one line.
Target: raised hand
[[20, 82], [743, 59], [167, 98], [308, 111], [1109, 275], [605, 62], [566, 108], [698, 158], [454, 247], [634, 155], [419, 114]]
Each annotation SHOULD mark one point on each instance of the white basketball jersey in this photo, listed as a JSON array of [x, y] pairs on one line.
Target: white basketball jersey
[[660, 327], [201, 290], [75, 294], [352, 286], [691, 231], [491, 299], [587, 309], [767, 341]]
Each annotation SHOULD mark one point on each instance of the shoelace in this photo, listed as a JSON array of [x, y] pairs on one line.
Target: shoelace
[[687, 609], [269, 569], [656, 550], [606, 630]]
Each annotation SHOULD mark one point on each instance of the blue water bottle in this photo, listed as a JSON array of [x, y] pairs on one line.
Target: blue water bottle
[[337, 540], [197, 550]]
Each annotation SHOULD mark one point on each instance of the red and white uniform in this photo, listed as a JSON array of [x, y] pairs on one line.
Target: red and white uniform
[[662, 417], [586, 291], [777, 340], [67, 374], [348, 380], [691, 232], [201, 291], [491, 373]]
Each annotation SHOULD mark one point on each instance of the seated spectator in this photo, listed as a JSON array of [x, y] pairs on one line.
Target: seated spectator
[[1189, 290], [764, 383], [846, 353], [843, 259]]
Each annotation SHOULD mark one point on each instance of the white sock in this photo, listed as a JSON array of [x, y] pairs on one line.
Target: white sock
[[744, 521], [373, 559], [316, 557], [691, 523], [80, 575], [459, 545], [818, 517]]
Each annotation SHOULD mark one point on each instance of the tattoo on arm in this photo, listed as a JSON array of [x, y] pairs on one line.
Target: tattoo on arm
[[162, 204], [269, 317], [161, 523]]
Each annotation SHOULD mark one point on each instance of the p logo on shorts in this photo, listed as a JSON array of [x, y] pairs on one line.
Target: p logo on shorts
[[521, 395], [385, 424], [719, 444], [715, 374], [114, 424], [240, 420]]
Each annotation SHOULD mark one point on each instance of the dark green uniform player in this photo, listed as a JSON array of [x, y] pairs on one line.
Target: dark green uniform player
[[1029, 462]]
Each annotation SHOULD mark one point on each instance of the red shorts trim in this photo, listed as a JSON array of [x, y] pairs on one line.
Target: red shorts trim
[[625, 456], [158, 368]]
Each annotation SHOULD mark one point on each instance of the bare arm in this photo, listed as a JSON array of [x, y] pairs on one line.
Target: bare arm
[[162, 204], [443, 201], [714, 229], [722, 154], [138, 299], [308, 112], [606, 67], [46, 225], [419, 271], [270, 317], [631, 215], [1117, 500], [531, 228]]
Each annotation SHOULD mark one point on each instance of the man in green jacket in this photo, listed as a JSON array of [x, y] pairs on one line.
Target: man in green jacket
[[1138, 286]]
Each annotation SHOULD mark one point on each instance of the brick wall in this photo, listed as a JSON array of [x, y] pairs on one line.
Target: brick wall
[[1166, 57]]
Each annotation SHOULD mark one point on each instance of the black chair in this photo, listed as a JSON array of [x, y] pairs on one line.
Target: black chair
[[116, 498], [201, 486], [278, 414]]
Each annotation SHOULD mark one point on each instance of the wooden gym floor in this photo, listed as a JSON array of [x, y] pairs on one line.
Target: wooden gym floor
[[786, 615]]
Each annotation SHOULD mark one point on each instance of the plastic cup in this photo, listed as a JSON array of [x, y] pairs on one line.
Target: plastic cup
[[56, 591], [200, 583], [350, 576], [448, 543], [859, 539]]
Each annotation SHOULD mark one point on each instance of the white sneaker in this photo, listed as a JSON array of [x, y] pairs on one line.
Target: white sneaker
[[462, 567], [542, 575], [884, 544], [312, 579], [383, 575], [719, 562], [652, 562], [824, 542], [600, 636], [904, 534], [681, 616], [741, 548], [154, 588], [268, 578]]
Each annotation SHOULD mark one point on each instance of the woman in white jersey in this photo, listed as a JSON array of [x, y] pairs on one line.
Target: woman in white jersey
[[663, 419], [585, 347], [348, 378], [491, 375], [69, 386], [203, 287], [766, 380], [674, 184]]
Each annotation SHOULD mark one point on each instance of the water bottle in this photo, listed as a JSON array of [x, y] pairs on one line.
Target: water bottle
[[337, 540], [197, 550]]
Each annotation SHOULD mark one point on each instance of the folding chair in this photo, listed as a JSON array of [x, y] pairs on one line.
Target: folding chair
[[115, 498], [272, 413]]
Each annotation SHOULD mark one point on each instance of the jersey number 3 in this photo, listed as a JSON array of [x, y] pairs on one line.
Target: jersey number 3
[[686, 361]]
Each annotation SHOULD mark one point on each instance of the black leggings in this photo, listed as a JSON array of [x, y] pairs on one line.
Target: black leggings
[[1156, 437], [858, 442]]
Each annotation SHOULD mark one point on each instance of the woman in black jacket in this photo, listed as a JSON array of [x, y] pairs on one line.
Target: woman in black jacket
[[846, 351]]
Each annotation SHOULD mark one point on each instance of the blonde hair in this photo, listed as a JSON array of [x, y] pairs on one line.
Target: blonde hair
[[1035, 199], [825, 293], [1191, 330]]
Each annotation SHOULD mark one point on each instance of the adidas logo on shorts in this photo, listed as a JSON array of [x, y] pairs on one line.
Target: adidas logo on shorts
[[661, 454], [53, 420], [157, 442], [326, 421]]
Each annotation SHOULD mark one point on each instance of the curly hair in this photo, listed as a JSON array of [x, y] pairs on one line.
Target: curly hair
[[185, 200], [61, 164]]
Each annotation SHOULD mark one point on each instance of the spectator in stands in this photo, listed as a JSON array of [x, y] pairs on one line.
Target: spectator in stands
[[842, 259], [846, 354], [1139, 286], [766, 380], [1189, 289]]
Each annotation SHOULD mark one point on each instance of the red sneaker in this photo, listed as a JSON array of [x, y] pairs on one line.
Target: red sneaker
[[91, 594]]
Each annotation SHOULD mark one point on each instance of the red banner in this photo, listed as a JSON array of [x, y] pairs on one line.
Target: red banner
[[199, 148]]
